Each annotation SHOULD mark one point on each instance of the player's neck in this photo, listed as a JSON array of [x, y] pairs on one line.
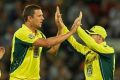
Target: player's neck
[[31, 27]]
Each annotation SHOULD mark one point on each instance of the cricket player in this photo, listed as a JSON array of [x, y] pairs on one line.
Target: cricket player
[[99, 57], [28, 42]]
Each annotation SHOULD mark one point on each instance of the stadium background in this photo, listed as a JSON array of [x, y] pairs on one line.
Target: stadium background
[[67, 64]]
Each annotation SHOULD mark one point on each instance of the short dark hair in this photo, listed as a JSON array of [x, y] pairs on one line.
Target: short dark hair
[[29, 10]]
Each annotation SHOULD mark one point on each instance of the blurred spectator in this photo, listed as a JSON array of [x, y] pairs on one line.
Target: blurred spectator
[[3, 22], [114, 21], [80, 73], [74, 10], [7, 38], [7, 41], [58, 71], [14, 10]]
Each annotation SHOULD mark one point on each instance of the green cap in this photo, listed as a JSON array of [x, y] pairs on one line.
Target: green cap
[[98, 30]]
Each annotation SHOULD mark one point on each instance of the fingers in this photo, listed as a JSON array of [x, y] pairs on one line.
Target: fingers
[[80, 15], [57, 14], [58, 18], [57, 7], [78, 20], [58, 10]]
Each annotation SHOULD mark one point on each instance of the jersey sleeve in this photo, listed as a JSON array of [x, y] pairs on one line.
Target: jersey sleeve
[[25, 37], [90, 42], [76, 45]]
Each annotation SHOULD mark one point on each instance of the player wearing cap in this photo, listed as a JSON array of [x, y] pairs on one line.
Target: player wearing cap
[[100, 60], [99, 57]]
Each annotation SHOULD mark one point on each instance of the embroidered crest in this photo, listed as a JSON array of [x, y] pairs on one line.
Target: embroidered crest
[[31, 36], [89, 70]]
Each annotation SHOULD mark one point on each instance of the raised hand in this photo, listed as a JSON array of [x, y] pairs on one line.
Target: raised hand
[[76, 23], [58, 18]]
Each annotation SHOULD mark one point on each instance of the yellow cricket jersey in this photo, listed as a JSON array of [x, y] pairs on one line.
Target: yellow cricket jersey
[[25, 58], [99, 58]]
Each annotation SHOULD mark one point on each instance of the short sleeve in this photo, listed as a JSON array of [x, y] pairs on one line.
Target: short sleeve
[[25, 37]]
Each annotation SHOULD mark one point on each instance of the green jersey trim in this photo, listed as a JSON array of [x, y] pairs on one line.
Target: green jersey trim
[[107, 65], [21, 48]]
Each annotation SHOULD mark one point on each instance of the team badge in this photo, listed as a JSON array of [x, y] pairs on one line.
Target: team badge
[[89, 70], [31, 36]]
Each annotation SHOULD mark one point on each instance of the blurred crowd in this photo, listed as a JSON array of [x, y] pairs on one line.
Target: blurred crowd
[[67, 64]]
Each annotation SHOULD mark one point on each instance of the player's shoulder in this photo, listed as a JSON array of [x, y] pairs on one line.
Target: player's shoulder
[[22, 31], [109, 48]]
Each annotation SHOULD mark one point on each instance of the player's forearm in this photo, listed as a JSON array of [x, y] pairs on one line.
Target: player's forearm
[[77, 46], [58, 39], [52, 41], [53, 50], [85, 37], [90, 42]]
